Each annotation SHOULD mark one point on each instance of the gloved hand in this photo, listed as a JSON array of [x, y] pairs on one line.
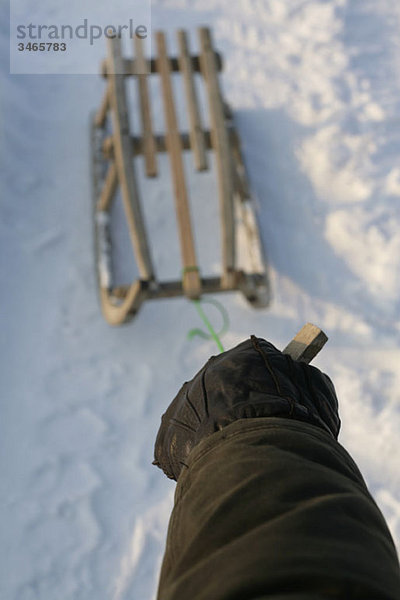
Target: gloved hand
[[254, 379]]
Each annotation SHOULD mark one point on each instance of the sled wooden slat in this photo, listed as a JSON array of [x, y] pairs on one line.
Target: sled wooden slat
[[220, 141], [109, 189], [149, 146], [124, 162], [101, 114], [191, 279], [196, 130]]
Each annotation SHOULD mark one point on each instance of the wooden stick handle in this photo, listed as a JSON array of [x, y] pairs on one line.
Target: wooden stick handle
[[306, 344]]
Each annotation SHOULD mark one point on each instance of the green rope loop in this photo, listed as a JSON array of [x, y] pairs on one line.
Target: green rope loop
[[212, 333]]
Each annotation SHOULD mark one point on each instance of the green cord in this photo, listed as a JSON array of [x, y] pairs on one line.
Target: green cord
[[225, 318], [213, 334]]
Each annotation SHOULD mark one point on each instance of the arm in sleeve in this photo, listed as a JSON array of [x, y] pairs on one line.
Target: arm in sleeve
[[276, 508]]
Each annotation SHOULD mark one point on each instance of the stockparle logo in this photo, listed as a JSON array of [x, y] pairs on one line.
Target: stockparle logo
[[62, 40]]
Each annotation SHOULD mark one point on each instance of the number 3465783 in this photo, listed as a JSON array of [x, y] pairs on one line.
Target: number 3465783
[[42, 47]]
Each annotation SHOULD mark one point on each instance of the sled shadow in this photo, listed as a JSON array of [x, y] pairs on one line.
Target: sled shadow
[[292, 217]]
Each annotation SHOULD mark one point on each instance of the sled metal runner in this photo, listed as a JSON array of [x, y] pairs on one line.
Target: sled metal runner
[[114, 148]]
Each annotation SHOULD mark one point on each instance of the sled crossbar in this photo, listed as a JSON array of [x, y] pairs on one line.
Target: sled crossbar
[[131, 66], [114, 147]]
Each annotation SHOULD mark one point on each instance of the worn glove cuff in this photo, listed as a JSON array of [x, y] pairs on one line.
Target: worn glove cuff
[[252, 380]]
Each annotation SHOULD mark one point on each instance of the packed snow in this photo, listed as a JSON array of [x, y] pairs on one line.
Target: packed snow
[[315, 89]]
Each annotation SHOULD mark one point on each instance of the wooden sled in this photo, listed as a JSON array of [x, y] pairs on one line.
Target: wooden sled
[[114, 148]]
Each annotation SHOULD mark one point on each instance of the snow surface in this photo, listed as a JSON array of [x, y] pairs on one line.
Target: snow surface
[[315, 86]]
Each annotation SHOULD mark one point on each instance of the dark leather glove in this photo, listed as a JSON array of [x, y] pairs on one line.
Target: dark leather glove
[[254, 379]]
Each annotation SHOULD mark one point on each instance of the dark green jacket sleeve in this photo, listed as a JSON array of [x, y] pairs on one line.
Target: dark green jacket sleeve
[[274, 508]]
